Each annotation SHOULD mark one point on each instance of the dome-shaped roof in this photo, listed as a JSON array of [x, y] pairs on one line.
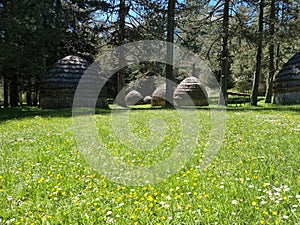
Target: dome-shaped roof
[[67, 71], [134, 98], [57, 89], [190, 92], [287, 82]]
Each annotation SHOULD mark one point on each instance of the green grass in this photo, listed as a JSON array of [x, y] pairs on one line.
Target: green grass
[[254, 178]]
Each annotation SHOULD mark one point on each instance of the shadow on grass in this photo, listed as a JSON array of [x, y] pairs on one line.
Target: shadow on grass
[[265, 107], [27, 112]]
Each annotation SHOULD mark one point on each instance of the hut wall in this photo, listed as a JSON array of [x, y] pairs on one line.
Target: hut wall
[[287, 83], [288, 98]]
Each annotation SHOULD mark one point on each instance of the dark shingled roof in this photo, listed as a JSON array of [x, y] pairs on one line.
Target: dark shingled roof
[[58, 87], [288, 78]]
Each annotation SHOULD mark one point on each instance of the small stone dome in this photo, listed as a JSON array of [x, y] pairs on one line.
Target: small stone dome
[[147, 100], [134, 98]]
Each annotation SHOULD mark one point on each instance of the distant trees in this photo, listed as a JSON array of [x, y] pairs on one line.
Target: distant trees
[[35, 34]]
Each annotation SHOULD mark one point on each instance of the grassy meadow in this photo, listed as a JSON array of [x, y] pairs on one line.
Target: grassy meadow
[[253, 179]]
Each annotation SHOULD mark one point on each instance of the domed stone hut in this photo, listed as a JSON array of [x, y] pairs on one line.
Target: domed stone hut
[[190, 92], [134, 98], [287, 83], [57, 89], [159, 96]]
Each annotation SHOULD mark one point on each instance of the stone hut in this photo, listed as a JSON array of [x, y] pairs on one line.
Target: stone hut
[[57, 89], [134, 98], [190, 92], [159, 96], [287, 83]]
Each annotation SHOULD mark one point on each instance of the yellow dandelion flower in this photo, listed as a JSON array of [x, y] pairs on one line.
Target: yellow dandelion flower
[[188, 206], [274, 213], [41, 180], [163, 218], [254, 203], [149, 198], [133, 217], [261, 222]]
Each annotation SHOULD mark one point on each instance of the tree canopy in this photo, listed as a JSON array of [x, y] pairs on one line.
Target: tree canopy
[[35, 34]]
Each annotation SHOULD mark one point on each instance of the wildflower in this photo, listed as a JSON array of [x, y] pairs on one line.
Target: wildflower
[[149, 198], [168, 197], [234, 202]]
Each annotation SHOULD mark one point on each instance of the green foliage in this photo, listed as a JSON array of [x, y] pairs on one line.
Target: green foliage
[[254, 179]]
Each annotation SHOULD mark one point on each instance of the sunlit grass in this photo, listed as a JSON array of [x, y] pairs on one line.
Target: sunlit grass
[[254, 179]]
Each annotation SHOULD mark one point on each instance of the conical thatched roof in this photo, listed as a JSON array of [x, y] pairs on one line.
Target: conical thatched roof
[[134, 98], [287, 82], [190, 92], [57, 89], [159, 96]]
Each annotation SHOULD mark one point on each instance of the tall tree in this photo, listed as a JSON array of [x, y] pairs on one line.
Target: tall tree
[[170, 39], [225, 66], [272, 20], [121, 40], [257, 74]]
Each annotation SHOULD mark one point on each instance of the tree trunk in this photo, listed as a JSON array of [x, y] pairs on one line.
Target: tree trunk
[[121, 40], [13, 91], [5, 90], [28, 93], [36, 93], [258, 55], [225, 67], [269, 92], [169, 67]]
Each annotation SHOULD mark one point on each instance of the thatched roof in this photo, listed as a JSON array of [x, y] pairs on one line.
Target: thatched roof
[[287, 82], [288, 78], [57, 89], [190, 92], [134, 98], [159, 96]]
